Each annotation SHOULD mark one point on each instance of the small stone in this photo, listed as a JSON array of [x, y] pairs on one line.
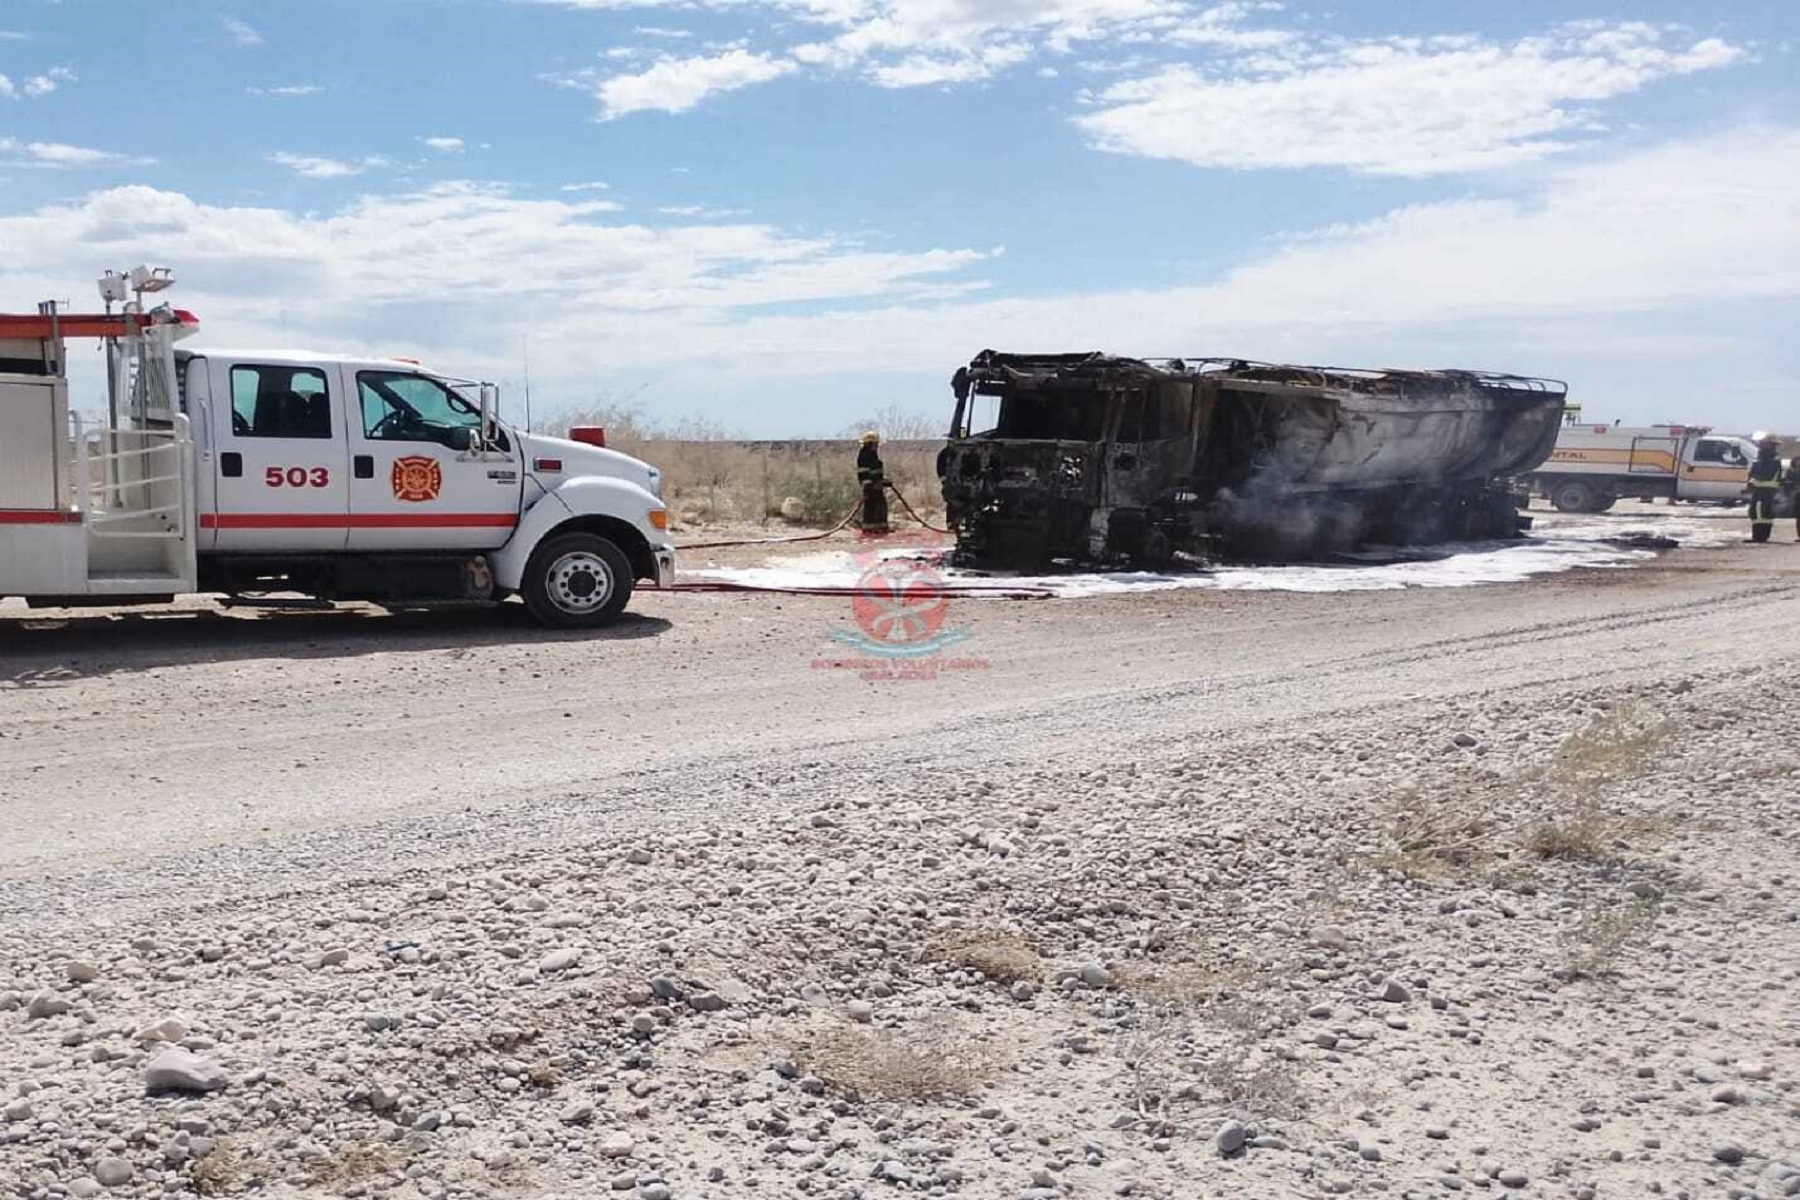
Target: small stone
[[179, 1070], [822, 821], [558, 960], [1393, 992], [113, 1172], [1728, 1152], [578, 1113], [81, 972], [861, 1011], [85, 1188], [18, 1110], [1727, 1095], [1513, 1178], [706, 1002], [1231, 1137], [45, 1004], [335, 957], [1756, 1070], [617, 1144], [169, 1029], [1023, 990], [1095, 975], [638, 857]]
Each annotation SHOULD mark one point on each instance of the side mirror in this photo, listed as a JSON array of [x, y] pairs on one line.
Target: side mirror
[[490, 401], [462, 439]]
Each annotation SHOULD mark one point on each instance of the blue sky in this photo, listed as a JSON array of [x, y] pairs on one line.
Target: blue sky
[[781, 215]]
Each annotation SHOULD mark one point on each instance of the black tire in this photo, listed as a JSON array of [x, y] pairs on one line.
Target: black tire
[[1574, 496], [577, 581], [1604, 502]]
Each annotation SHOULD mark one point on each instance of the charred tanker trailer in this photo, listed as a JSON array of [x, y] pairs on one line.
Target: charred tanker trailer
[[1101, 459]]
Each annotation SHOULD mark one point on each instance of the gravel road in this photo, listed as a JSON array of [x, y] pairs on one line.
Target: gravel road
[[1183, 894]]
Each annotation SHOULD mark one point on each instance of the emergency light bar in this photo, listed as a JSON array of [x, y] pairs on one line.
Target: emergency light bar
[[95, 325]]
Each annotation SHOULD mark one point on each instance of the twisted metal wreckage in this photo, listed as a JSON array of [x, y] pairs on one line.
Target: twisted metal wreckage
[[1094, 458]]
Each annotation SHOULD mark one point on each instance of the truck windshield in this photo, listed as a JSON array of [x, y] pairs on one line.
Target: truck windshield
[[397, 406], [1074, 415]]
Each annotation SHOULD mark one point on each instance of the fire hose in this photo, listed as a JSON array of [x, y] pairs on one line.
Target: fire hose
[[935, 589], [817, 537]]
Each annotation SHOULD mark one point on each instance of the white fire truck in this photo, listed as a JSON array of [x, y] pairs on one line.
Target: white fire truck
[[1593, 466], [256, 473]]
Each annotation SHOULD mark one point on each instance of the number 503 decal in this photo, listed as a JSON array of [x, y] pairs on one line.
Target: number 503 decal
[[297, 477]]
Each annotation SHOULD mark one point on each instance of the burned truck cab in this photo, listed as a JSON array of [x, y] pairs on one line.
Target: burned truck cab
[[1088, 459]]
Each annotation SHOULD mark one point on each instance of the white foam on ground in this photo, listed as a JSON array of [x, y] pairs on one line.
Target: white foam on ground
[[1558, 543]]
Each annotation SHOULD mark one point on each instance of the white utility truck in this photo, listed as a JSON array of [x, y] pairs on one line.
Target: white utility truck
[[255, 473], [1594, 466]]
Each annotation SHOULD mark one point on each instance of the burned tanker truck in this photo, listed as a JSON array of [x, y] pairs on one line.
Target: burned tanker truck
[[1097, 459]]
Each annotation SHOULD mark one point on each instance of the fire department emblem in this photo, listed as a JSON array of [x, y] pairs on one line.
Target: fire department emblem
[[417, 478]]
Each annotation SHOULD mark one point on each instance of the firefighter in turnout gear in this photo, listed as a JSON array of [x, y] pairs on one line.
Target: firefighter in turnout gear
[[873, 477], [1765, 485]]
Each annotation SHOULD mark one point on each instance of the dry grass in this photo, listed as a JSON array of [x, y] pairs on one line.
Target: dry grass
[[357, 1162], [1584, 834], [930, 1062], [1180, 984], [1430, 838], [1621, 745], [1260, 1086], [711, 477], [220, 1172], [1592, 949], [1002, 956]]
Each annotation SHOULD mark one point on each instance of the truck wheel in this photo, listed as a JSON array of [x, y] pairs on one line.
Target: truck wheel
[[1573, 496], [576, 581]]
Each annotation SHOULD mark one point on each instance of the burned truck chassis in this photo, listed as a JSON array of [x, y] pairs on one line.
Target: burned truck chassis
[[1097, 459]]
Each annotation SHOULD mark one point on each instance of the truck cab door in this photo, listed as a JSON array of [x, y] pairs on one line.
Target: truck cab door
[[277, 459], [417, 480], [1715, 469]]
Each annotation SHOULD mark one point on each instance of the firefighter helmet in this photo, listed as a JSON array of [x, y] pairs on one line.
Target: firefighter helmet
[[870, 437]]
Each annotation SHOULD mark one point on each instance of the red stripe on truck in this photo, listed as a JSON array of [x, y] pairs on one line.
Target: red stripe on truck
[[358, 520], [38, 516]]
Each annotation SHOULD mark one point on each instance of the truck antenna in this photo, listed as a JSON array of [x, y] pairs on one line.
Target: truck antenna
[[525, 350]]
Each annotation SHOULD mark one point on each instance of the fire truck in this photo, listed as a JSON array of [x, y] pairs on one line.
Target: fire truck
[[263, 474]]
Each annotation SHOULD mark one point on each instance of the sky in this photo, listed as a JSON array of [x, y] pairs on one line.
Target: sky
[[779, 216]]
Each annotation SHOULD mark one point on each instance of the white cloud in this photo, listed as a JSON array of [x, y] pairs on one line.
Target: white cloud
[[595, 186], [477, 249], [295, 89], [314, 167], [14, 35], [678, 84], [1612, 274], [14, 152], [1402, 106], [7, 90], [240, 31], [49, 81], [1239, 83], [444, 145]]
